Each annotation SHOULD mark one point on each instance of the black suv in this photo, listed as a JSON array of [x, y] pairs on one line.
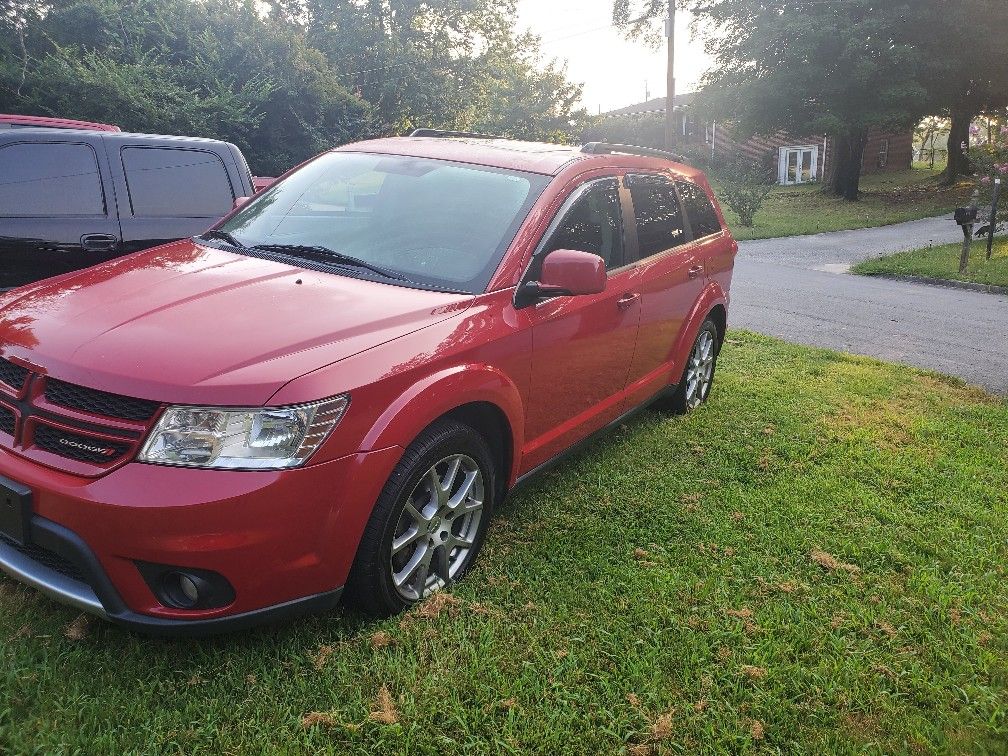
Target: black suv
[[70, 199]]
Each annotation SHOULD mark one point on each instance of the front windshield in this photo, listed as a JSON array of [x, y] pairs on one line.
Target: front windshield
[[434, 223]]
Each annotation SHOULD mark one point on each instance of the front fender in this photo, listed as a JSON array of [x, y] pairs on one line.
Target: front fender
[[438, 394]]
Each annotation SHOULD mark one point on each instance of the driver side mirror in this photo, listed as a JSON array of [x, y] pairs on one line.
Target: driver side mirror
[[565, 273]]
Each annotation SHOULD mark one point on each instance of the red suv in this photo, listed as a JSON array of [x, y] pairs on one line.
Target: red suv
[[329, 392]]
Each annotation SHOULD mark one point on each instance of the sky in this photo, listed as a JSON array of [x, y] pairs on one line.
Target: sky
[[614, 72]]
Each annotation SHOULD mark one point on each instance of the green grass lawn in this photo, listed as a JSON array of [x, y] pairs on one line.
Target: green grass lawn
[[943, 262], [813, 563], [886, 198]]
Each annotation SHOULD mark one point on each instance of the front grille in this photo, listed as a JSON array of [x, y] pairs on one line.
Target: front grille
[[11, 374], [6, 421], [84, 448], [48, 558], [99, 402]]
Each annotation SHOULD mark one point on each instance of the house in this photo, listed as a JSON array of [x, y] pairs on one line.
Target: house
[[794, 159]]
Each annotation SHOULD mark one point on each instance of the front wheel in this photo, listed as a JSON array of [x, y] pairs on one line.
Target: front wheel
[[429, 522], [698, 375]]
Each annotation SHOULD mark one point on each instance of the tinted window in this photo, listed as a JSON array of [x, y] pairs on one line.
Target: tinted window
[[438, 224], [701, 213], [659, 217], [166, 182], [49, 179], [594, 223]]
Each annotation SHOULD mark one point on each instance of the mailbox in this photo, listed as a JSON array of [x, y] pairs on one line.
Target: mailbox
[[966, 215]]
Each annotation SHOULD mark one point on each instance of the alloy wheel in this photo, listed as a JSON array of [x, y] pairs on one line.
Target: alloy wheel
[[438, 527], [700, 370]]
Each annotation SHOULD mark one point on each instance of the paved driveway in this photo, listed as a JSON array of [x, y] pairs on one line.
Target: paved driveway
[[797, 289]]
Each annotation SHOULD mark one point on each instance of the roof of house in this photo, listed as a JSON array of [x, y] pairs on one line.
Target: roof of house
[[654, 105]]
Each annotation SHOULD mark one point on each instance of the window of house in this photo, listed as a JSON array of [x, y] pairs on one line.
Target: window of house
[[49, 179], [659, 217], [594, 223], [167, 182], [703, 217]]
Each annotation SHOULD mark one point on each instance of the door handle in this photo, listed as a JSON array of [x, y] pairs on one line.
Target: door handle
[[99, 242], [695, 271], [627, 300]]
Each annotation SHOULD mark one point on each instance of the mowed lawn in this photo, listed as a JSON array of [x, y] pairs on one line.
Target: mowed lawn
[[885, 199], [943, 262], [813, 563]]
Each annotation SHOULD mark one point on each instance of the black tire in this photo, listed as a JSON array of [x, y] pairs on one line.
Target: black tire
[[370, 586], [681, 400]]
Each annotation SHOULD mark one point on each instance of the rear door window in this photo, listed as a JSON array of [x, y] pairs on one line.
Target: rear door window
[[176, 183], [703, 218], [50, 179], [659, 217]]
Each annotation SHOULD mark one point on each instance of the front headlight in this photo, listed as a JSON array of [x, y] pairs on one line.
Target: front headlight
[[261, 438]]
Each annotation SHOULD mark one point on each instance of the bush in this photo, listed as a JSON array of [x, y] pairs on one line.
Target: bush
[[640, 130], [744, 186], [989, 163]]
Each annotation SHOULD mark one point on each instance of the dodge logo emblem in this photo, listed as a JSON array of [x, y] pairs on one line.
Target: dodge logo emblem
[[103, 450]]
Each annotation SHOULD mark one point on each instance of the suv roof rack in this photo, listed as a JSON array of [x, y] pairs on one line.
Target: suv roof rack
[[442, 134], [604, 148]]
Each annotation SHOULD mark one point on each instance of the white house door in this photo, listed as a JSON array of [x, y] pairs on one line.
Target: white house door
[[798, 165]]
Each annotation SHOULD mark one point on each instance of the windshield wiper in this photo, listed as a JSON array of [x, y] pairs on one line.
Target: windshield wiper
[[326, 254], [223, 236]]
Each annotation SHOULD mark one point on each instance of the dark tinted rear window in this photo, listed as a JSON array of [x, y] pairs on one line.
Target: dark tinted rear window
[[659, 217], [699, 209], [166, 182], [51, 179]]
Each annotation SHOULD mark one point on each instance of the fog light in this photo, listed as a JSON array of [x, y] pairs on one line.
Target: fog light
[[180, 587], [189, 589]]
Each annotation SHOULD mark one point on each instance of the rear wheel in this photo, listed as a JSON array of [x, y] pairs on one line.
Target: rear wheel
[[698, 375], [429, 522]]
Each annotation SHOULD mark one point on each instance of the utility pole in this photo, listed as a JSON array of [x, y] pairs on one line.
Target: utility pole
[[670, 129]]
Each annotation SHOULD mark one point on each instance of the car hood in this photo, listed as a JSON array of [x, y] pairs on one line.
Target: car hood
[[193, 324]]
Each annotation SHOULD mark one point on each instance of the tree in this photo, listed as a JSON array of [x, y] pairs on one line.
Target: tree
[[524, 99], [453, 64], [283, 80], [808, 67], [967, 70]]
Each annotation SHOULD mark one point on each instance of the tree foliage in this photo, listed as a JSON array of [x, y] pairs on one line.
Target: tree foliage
[[845, 66], [283, 79], [962, 43], [642, 129], [810, 67]]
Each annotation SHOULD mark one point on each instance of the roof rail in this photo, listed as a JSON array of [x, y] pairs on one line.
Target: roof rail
[[604, 148], [442, 134]]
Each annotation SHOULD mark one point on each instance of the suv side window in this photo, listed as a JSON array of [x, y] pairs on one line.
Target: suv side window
[[49, 179], [594, 223], [703, 219], [659, 217], [164, 182]]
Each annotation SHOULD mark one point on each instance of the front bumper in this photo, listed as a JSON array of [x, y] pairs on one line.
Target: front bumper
[[285, 540]]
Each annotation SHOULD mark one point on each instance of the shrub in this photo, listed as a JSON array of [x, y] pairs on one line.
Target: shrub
[[744, 186]]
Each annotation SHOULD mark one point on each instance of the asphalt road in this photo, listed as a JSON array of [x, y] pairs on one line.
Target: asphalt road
[[798, 289]]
